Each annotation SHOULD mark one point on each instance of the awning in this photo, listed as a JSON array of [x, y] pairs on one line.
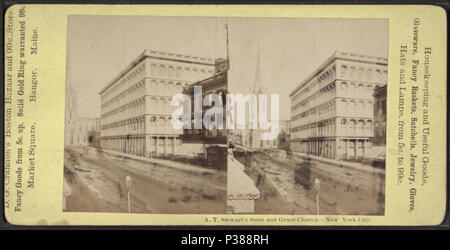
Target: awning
[[240, 185]]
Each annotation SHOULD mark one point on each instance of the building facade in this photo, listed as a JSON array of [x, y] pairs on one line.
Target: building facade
[[136, 109], [380, 116], [212, 140], [332, 110], [216, 84], [284, 135], [79, 130]]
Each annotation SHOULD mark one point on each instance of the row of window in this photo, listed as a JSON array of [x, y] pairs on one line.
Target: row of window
[[179, 72], [134, 126], [156, 125], [124, 82], [152, 105], [173, 72], [359, 72], [161, 89], [318, 98], [347, 127], [345, 72], [338, 89], [125, 112], [316, 84], [132, 93], [335, 107]]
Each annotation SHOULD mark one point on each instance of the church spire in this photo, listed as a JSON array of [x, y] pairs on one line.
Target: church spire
[[258, 87], [71, 92]]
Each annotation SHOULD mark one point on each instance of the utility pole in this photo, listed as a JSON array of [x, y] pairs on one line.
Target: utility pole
[[228, 52]]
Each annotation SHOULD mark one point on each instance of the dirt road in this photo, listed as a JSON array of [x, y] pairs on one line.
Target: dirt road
[[97, 182], [287, 187]]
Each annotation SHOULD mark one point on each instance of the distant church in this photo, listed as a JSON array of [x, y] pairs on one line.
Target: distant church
[[253, 139], [78, 131]]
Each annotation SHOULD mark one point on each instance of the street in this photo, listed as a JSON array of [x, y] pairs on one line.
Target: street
[[97, 183], [285, 185]]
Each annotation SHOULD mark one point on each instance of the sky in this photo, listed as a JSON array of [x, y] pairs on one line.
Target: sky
[[99, 47]]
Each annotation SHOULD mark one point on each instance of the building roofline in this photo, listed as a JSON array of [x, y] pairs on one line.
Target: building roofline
[[204, 81], [87, 118], [341, 55], [162, 56]]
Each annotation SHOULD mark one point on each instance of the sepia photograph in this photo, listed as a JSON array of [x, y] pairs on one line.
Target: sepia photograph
[[209, 115], [224, 116], [123, 150], [313, 137]]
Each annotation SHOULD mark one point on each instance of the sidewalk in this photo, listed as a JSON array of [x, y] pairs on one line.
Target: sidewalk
[[165, 163], [353, 165]]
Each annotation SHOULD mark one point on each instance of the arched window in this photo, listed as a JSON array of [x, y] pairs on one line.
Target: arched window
[[178, 87], [344, 106], [155, 105], [361, 108], [352, 72], [361, 73], [187, 74], [171, 72], [385, 75], [344, 125], [360, 127], [352, 127], [344, 70], [353, 106], [170, 88], [162, 88], [378, 75], [352, 90], [161, 106], [369, 128], [178, 72], [195, 75], [369, 92], [160, 124], [361, 90], [369, 74], [344, 89], [162, 71]]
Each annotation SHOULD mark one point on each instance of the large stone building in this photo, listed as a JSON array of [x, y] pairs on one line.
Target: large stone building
[[216, 84], [213, 141], [135, 106], [378, 141], [332, 110]]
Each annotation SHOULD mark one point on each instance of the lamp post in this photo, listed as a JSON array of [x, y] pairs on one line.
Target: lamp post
[[128, 185], [316, 187]]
